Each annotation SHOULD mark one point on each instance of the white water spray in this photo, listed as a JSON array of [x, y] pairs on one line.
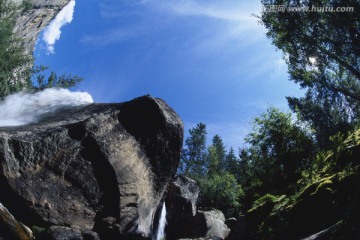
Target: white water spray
[[162, 222], [23, 108]]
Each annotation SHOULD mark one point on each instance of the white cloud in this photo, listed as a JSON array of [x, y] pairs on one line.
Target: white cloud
[[53, 31]]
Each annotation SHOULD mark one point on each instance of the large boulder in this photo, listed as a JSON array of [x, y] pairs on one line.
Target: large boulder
[[211, 224], [100, 167], [205, 225]]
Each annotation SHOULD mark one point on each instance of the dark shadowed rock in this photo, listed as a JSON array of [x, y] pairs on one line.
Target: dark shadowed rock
[[237, 227], [205, 225], [184, 221], [10, 228], [101, 167], [182, 197], [324, 234], [66, 233], [181, 206], [207, 238], [61, 233]]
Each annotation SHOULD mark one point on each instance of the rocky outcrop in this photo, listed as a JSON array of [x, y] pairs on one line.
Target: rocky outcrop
[[101, 167], [211, 224], [59, 232], [181, 206], [34, 18], [184, 221], [182, 197]]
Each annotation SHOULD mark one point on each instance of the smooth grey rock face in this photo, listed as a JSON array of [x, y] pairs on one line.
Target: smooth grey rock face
[[215, 223], [31, 22], [82, 166]]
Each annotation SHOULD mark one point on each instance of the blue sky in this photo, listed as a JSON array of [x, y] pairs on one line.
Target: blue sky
[[208, 59]]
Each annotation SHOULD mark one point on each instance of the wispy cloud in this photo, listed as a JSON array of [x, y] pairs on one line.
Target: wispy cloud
[[53, 31], [229, 25], [109, 37], [216, 10], [225, 20]]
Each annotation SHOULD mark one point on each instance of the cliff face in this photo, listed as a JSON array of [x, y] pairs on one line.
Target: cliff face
[[102, 168], [32, 21]]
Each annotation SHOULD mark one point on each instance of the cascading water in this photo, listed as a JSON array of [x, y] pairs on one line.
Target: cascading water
[[160, 235], [23, 108]]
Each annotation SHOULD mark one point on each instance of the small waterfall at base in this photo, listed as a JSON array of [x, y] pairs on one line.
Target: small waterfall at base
[[160, 235]]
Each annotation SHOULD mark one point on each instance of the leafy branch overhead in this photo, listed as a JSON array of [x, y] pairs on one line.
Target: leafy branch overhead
[[322, 51]]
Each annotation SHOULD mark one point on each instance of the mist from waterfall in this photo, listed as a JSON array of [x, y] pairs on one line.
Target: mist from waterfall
[[162, 223], [23, 108]]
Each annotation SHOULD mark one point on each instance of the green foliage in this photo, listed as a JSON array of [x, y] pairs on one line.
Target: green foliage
[[232, 163], [192, 162], [26, 5], [222, 192], [294, 166], [330, 197], [267, 198], [209, 167], [279, 148], [322, 52], [216, 156], [41, 82]]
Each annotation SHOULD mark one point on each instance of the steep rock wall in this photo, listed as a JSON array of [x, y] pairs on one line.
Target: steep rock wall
[[32, 21]]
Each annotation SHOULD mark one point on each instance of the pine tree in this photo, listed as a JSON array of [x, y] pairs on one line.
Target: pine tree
[[14, 76], [192, 161], [232, 163], [216, 156], [322, 51]]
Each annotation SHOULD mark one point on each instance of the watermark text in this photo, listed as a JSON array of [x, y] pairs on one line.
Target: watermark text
[[286, 8]]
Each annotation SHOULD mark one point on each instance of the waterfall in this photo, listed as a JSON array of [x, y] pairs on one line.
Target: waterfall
[[23, 108], [162, 222]]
